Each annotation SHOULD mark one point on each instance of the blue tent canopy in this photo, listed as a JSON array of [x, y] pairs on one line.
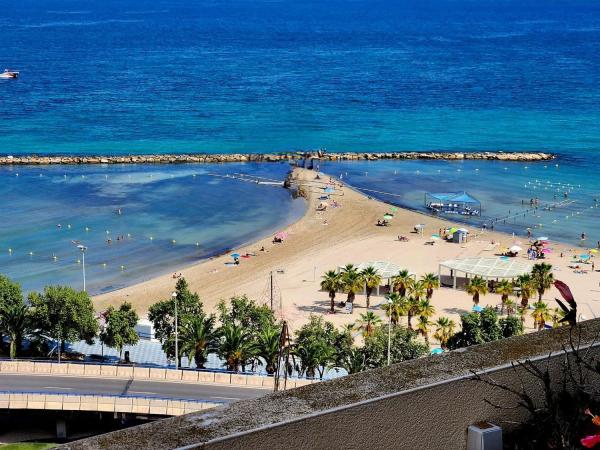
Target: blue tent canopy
[[453, 203]]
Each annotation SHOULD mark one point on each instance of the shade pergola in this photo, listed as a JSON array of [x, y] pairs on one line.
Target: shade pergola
[[501, 268], [453, 203]]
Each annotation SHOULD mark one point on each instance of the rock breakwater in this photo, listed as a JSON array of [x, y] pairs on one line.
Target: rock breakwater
[[266, 157]]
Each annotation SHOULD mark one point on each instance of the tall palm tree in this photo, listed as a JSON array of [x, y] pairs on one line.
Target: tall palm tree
[[444, 331], [525, 283], [477, 287], [396, 308], [415, 292], [430, 282], [198, 339], [541, 314], [367, 323], [425, 308], [236, 346], [372, 279], [267, 346], [402, 281], [423, 328], [504, 288], [511, 307], [14, 320], [541, 274], [331, 282], [352, 281]]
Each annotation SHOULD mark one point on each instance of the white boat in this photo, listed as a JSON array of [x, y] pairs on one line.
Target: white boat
[[9, 74]]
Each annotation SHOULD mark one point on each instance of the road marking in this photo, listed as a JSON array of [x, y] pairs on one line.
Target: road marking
[[58, 387], [142, 392], [226, 398]]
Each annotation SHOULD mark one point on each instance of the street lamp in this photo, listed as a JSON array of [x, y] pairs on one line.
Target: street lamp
[[174, 295], [389, 331], [83, 248]]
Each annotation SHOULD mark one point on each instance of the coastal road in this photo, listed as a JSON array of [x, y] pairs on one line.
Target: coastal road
[[56, 384]]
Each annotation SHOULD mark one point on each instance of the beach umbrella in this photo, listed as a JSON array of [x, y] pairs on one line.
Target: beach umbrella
[[420, 225], [543, 238], [281, 235], [329, 190], [477, 308], [388, 216], [547, 250], [515, 249], [435, 237], [235, 255], [593, 250], [437, 351], [586, 256]]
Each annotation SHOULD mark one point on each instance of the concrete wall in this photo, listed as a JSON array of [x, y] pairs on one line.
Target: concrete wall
[[103, 403], [142, 373]]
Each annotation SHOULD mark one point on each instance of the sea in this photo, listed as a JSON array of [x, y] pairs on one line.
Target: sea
[[134, 77]]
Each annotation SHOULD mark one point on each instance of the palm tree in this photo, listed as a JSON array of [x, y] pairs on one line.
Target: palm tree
[[402, 281], [331, 283], [415, 293], [314, 355], [541, 314], [267, 346], [352, 281], [425, 308], [423, 328], [354, 361], [542, 277], [372, 279], [396, 308], [198, 339], [557, 315], [236, 346], [525, 282], [477, 287], [430, 282], [367, 322], [504, 288], [511, 307], [14, 320], [522, 314], [444, 331]]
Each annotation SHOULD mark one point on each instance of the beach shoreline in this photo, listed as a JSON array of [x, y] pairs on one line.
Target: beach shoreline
[[325, 240]]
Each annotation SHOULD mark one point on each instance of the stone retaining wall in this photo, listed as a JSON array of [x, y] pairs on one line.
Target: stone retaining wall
[[267, 157]]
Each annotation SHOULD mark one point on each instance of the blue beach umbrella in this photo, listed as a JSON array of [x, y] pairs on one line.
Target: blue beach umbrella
[[329, 190], [235, 255], [584, 256], [477, 308]]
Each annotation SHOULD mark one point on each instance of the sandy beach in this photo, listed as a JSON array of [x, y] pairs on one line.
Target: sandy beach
[[324, 240]]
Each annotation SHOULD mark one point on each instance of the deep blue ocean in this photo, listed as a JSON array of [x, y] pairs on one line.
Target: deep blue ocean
[[133, 76]]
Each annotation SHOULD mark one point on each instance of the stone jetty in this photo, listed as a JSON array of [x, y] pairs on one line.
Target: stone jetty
[[267, 157]]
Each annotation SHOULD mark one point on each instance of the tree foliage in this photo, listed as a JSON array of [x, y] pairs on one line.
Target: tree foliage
[[120, 327]]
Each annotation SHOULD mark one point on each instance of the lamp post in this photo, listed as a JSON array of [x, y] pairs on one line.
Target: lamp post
[[389, 331], [174, 295], [83, 248]]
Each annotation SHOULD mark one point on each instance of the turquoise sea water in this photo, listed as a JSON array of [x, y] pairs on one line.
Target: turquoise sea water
[[132, 76], [170, 217]]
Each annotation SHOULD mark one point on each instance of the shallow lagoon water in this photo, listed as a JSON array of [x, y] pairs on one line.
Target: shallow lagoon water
[[171, 216]]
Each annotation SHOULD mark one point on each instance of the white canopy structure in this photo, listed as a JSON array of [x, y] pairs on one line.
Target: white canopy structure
[[500, 268]]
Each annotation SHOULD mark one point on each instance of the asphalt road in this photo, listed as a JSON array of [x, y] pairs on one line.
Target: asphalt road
[[56, 384]]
